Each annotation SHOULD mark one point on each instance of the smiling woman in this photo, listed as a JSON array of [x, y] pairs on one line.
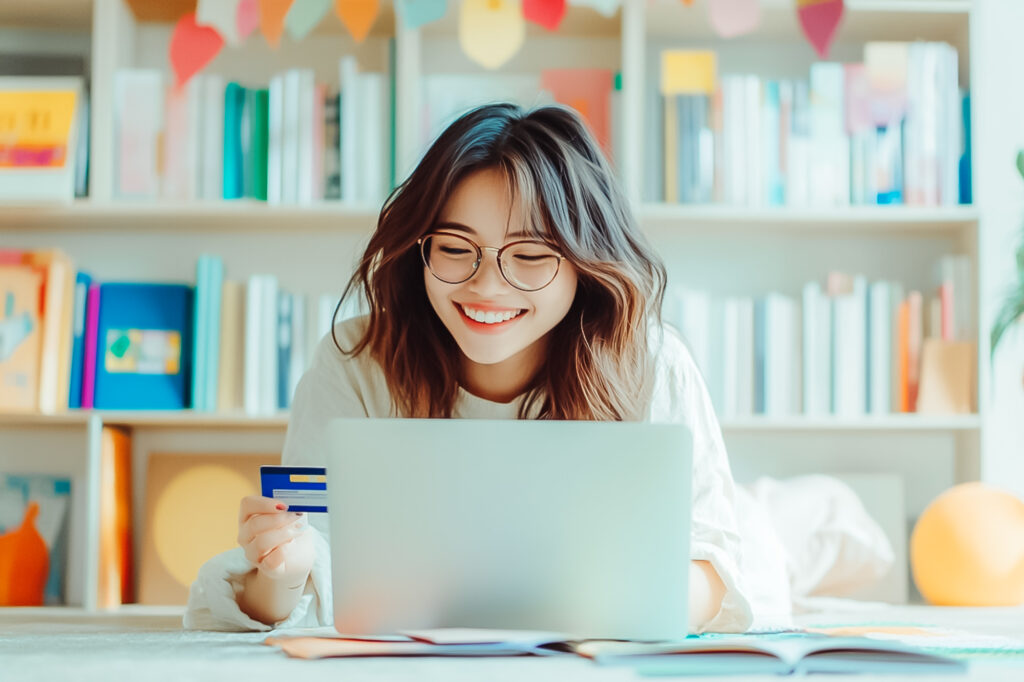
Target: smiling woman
[[506, 279]]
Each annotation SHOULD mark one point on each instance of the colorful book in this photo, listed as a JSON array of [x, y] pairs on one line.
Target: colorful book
[[82, 282], [20, 340], [92, 322], [144, 337], [231, 365], [234, 163]]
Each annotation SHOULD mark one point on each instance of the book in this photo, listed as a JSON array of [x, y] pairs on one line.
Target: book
[[783, 654], [92, 321], [33, 567], [82, 282], [231, 365], [20, 337], [144, 353], [116, 575], [139, 125], [57, 312]]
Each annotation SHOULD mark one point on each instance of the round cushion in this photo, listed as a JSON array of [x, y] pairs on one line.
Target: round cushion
[[967, 548]]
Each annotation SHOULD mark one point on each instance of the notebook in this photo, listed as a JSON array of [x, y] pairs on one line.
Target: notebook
[[784, 654]]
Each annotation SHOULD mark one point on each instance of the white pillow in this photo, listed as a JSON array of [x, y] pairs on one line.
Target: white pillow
[[832, 545]]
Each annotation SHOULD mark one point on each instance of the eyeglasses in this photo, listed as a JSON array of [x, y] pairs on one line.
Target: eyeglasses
[[527, 265]]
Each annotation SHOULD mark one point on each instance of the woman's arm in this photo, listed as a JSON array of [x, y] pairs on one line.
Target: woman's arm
[[706, 593], [270, 601]]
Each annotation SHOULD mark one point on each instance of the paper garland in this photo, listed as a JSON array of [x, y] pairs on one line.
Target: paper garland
[[731, 18], [358, 16], [272, 14], [491, 31], [221, 15], [547, 13], [304, 15], [819, 20], [248, 18], [416, 13], [192, 48]]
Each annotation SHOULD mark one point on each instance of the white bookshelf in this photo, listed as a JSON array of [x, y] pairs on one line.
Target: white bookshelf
[[730, 250]]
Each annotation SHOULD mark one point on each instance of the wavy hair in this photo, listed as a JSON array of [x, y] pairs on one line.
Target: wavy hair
[[598, 364]]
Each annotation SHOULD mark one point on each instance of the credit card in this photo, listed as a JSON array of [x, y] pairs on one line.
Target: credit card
[[303, 489]]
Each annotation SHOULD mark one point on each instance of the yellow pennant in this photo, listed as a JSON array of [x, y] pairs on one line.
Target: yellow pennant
[[491, 31]]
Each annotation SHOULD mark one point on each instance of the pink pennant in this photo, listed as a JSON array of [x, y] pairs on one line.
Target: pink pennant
[[248, 18], [192, 47], [819, 20], [547, 13], [731, 18]]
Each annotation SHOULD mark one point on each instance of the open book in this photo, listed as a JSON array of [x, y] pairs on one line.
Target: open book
[[707, 655], [776, 654]]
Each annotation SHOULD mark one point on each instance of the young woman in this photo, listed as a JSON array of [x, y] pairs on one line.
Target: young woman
[[507, 279]]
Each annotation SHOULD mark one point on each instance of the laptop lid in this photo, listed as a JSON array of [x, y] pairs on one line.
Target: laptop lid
[[574, 527]]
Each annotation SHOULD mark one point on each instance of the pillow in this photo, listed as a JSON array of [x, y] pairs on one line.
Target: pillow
[[831, 544]]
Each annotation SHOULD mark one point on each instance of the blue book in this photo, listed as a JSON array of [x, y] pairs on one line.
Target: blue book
[[199, 334], [144, 346], [233, 175], [82, 282], [215, 292], [760, 313]]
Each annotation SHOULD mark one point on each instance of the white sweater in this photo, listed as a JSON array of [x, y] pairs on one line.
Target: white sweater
[[337, 385]]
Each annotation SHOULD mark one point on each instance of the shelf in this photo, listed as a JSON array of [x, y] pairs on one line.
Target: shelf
[[157, 214], [187, 419], [895, 422], [901, 219]]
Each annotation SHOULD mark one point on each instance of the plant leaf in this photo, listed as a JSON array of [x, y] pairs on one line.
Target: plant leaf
[[1012, 310], [1020, 163]]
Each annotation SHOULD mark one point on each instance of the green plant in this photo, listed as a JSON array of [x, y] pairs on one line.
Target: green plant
[[1013, 305]]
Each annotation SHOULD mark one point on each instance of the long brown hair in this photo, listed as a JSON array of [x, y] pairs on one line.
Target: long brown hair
[[598, 365]]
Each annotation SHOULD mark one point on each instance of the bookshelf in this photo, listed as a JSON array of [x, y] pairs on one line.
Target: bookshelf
[[729, 249]]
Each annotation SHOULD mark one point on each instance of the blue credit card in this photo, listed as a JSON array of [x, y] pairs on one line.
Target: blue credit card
[[303, 489]]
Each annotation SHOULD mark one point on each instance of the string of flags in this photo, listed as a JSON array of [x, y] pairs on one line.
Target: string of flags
[[490, 31]]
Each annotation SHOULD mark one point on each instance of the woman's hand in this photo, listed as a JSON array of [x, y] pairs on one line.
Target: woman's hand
[[278, 542]]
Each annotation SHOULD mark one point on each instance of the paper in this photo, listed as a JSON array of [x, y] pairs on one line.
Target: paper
[[330, 647], [885, 65], [248, 17], [358, 16], [491, 31], [547, 13], [485, 636], [588, 91], [819, 20], [35, 127], [221, 15], [272, 14], [304, 15], [687, 72], [731, 18], [605, 7], [416, 13], [192, 48]]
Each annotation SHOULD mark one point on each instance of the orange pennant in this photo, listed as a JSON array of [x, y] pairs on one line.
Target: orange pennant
[[358, 16], [272, 14]]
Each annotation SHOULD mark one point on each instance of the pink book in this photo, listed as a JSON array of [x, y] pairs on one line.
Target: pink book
[[946, 307], [914, 342], [92, 324], [320, 94]]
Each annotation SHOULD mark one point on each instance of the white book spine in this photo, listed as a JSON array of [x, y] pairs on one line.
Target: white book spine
[[297, 361], [754, 165], [372, 145], [815, 400], [880, 349], [850, 395], [268, 347], [349, 105], [275, 140], [290, 138], [212, 148], [306, 137], [253, 331]]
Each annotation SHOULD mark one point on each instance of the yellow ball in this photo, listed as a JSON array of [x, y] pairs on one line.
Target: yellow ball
[[967, 548]]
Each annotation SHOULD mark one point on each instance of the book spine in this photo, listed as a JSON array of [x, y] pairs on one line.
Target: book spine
[[215, 282], [91, 352], [82, 282]]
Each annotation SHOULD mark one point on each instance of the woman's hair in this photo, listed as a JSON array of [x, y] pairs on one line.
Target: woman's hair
[[598, 364]]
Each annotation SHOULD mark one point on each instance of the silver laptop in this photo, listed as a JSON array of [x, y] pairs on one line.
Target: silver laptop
[[573, 527]]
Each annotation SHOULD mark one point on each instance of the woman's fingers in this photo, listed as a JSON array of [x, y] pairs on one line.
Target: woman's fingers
[[257, 504], [266, 541], [261, 523]]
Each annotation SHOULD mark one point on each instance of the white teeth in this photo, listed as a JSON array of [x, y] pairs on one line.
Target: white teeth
[[490, 317]]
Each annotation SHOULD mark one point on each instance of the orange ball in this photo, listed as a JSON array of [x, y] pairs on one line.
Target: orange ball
[[967, 548]]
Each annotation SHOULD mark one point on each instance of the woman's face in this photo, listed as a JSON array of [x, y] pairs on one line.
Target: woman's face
[[479, 209]]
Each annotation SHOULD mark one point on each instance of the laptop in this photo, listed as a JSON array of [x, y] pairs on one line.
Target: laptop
[[572, 527]]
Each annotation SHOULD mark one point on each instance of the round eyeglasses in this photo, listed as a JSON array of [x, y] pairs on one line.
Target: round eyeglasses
[[527, 265]]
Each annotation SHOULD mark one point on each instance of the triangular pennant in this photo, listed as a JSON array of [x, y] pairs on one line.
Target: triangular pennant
[[304, 15], [547, 13], [248, 18], [192, 47], [272, 14], [731, 18], [819, 20], [358, 16], [491, 31], [416, 13], [605, 7], [221, 15]]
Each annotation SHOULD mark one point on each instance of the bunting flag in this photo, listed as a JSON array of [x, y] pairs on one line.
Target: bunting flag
[[358, 16], [819, 20], [731, 18], [272, 14], [192, 48], [304, 15], [248, 18], [547, 13], [605, 7], [688, 3], [491, 31], [416, 13], [221, 15]]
